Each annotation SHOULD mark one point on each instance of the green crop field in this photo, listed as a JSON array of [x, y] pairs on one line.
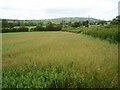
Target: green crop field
[[58, 59]]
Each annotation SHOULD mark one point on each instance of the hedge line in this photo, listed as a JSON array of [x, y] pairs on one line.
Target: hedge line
[[53, 28], [21, 29], [111, 34]]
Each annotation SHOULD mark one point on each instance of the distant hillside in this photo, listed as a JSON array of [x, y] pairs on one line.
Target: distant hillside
[[75, 19], [55, 20]]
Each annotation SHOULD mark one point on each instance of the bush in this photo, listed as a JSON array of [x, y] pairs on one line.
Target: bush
[[39, 28], [21, 29], [5, 30], [49, 27], [57, 27], [109, 33], [32, 29], [76, 24]]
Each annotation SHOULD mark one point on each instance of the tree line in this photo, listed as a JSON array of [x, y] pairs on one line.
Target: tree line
[[49, 26]]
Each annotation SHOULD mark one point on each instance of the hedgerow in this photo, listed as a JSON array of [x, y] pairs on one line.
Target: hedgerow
[[109, 33], [51, 27], [21, 29]]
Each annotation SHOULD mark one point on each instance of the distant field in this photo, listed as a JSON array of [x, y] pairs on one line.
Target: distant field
[[58, 59]]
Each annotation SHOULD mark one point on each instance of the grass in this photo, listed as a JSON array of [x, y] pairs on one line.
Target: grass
[[107, 32], [58, 59]]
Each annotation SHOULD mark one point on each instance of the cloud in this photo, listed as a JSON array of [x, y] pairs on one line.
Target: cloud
[[68, 11], [119, 8], [40, 9]]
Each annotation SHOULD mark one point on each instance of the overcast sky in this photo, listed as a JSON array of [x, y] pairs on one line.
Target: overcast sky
[[46, 9]]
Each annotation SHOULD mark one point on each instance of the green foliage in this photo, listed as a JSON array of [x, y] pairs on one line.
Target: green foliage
[[76, 24], [85, 23], [69, 23], [73, 30], [116, 21], [49, 27], [6, 30], [109, 33], [35, 76], [20, 29], [39, 28], [5, 24], [57, 27]]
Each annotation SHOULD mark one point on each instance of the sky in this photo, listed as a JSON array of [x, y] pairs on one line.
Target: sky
[[48, 9]]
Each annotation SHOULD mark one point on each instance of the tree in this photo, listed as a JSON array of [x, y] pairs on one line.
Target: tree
[[85, 23], [76, 24], [116, 20], [53, 27], [70, 23], [49, 26], [63, 23], [17, 23], [57, 27], [4, 23], [10, 25], [40, 23]]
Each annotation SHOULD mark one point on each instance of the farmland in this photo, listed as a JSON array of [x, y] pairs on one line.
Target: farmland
[[58, 59]]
